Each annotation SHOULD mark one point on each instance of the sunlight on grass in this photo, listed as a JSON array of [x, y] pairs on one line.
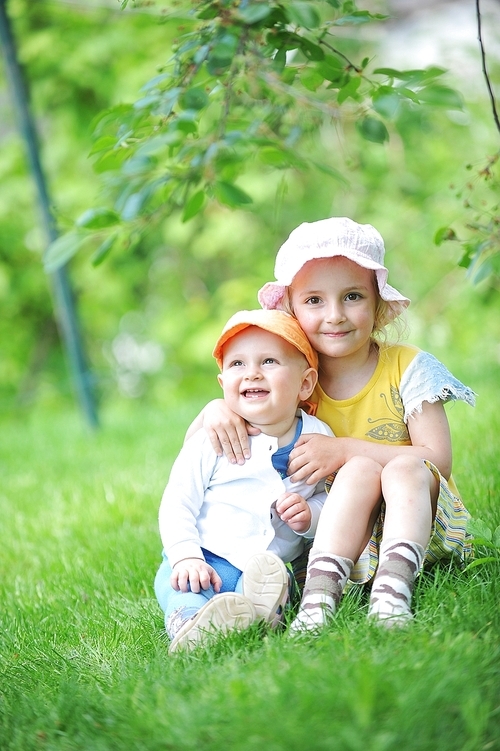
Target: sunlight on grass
[[83, 655]]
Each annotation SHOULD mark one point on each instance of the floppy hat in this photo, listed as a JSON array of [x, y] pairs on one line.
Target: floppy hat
[[276, 321], [326, 238]]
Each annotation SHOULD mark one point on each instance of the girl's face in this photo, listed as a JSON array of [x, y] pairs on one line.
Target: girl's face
[[334, 301]]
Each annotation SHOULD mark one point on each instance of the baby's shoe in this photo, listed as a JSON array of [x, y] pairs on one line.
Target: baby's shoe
[[266, 584], [223, 613]]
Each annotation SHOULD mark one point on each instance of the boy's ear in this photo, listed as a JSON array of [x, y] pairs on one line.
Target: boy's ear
[[309, 381], [220, 380]]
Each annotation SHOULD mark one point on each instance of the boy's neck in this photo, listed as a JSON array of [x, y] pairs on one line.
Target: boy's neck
[[284, 431]]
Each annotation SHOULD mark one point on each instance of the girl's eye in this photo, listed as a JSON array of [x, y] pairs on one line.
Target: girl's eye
[[313, 300], [353, 296]]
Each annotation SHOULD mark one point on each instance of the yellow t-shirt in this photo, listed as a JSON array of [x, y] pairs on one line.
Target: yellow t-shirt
[[377, 412]]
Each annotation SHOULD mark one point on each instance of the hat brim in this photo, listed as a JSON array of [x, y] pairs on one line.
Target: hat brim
[[288, 329]]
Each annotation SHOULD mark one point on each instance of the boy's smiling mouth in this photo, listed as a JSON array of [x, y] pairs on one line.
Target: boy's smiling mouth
[[254, 393]]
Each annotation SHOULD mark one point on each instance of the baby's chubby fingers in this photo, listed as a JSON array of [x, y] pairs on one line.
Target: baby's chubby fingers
[[294, 510]]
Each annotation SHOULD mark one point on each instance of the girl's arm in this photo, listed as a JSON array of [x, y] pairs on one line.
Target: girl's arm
[[227, 431], [319, 456]]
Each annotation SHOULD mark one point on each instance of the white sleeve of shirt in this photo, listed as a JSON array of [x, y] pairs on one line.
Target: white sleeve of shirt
[[317, 500], [428, 380], [183, 497]]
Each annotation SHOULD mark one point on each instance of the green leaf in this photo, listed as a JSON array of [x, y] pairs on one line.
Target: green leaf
[[359, 17], [386, 102], [97, 218], [332, 68], [310, 50], [230, 195], [443, 234], [478, 528], [209, 12], [193, 206], [480, 562], [349, 90], [311, 79], [104, 143], [404, 91], [496, 537], [279, 61], [441, 96], [254, 13], [61, 250], [303, 14], [331, 172], [372, 129], [194, 99], [103, 250]]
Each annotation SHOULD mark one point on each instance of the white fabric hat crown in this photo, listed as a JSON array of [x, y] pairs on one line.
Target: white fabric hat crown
[[327, 238]]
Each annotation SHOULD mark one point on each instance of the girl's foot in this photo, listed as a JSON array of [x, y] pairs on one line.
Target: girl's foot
[[327, 576], [399, 564]]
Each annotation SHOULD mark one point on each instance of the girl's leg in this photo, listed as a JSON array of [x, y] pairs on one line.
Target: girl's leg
[[410, 491], [351, 509], [344, 528]]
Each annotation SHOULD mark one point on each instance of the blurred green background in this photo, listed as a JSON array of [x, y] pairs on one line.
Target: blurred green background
[[150, 316]]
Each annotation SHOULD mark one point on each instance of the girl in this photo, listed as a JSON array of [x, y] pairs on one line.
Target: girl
[[393, 506]]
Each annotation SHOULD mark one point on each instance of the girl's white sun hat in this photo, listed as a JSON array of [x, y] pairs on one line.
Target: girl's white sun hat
[[327, 238]]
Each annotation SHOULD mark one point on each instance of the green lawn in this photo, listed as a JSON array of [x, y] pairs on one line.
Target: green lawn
[[84, 662]]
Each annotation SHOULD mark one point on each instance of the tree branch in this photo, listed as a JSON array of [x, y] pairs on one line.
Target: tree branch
[[483, 58]]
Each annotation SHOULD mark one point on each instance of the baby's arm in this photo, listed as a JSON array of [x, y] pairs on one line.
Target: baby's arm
[[227, 431], [194, 574], [318, 455]]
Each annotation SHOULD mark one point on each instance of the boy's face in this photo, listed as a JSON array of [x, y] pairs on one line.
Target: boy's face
[[264, 377]]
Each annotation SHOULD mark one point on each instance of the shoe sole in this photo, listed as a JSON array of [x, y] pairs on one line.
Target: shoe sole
[[224, 612], [265, 583]]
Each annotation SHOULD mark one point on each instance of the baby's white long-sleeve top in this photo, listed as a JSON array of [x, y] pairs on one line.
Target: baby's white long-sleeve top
[[228, 509]]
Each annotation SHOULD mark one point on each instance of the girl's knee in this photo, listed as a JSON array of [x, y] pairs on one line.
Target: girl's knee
[[405, 465], [361, 466], [405, 472]]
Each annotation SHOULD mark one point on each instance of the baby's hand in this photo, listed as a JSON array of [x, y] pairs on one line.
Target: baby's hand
[[194, 574], [227, 431], [294, 510]]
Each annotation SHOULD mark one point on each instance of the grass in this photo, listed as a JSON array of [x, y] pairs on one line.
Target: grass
[[84, 661]]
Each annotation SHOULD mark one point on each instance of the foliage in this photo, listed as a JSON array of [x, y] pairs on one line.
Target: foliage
[[152, 312], [248, 87], [481, 243], [486, 543]]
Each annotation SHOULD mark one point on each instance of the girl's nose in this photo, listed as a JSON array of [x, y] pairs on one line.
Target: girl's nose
[[335, 313]]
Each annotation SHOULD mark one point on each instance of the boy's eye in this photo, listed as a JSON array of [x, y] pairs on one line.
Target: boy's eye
[[236, 363], [269, 361]]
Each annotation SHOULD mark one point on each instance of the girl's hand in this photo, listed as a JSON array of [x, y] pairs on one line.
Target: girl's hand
[[294, 511], [315, 457], [194, 574], [227, 431]]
